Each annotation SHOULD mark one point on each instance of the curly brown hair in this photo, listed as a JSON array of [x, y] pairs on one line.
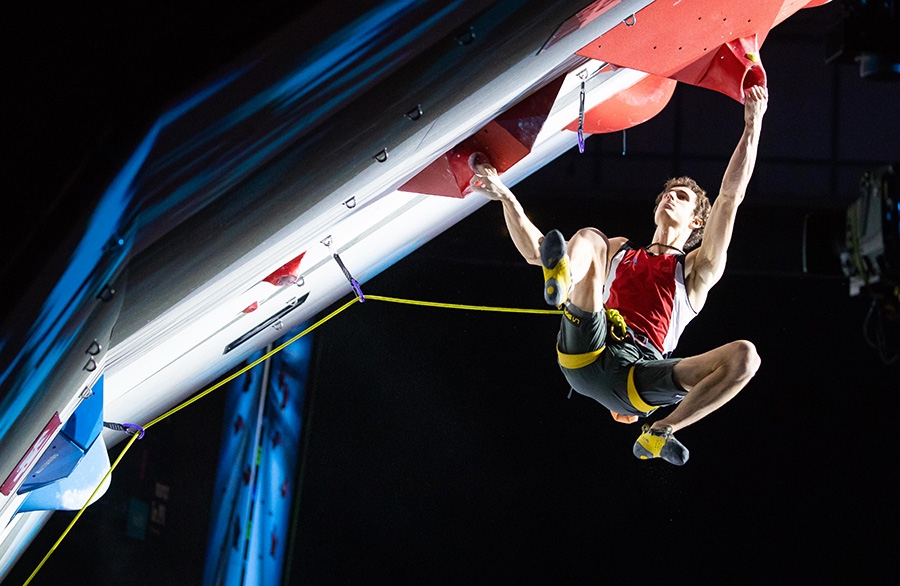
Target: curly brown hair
[[701, 208]]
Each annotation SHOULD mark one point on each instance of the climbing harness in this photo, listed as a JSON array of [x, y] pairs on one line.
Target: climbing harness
[[576, 361], [635, 398], [617, 329]]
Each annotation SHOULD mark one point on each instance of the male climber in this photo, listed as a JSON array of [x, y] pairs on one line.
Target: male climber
[[625, 306]]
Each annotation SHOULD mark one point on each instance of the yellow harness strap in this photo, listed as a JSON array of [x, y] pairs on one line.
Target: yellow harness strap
[[617, 331], [635, 398], [573, 361]]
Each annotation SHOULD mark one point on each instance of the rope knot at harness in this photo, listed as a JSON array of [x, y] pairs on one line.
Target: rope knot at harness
[[617, 328]]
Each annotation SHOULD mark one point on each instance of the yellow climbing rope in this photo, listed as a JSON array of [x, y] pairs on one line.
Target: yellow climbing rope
[[469, 307], [254, 364]]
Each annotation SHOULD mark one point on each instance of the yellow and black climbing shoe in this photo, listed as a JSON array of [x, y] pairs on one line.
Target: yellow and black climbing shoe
[[660, 443], [555, 262]]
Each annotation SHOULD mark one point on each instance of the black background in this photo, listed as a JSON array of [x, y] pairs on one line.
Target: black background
[[440, 445]]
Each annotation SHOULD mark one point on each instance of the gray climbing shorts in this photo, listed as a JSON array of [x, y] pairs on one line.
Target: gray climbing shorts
[[625, 376]]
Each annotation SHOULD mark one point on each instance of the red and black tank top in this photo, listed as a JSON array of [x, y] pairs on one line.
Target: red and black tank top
[[649, 292]]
